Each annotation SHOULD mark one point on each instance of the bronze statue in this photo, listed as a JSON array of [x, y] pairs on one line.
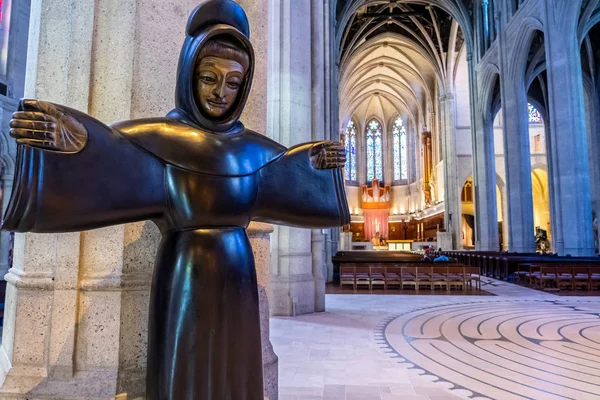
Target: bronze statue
[[201, 177]]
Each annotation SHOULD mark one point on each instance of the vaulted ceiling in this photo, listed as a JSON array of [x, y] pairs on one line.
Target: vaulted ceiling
[[395, 56]]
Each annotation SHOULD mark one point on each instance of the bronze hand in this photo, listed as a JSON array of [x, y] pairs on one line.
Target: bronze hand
[[43, 125], [328, 155]]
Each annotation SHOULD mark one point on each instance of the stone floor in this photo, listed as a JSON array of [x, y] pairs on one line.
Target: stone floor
[[518, 344]]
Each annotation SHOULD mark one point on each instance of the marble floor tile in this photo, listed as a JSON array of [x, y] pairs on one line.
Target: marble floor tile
[[517, 344]]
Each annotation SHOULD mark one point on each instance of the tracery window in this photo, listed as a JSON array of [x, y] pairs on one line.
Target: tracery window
[[486, 20], [534, 115], [400, 150], [351, 152], [5, 6], [374, 151]]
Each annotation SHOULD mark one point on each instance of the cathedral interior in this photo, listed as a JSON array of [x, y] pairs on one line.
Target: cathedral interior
[[470, 266]]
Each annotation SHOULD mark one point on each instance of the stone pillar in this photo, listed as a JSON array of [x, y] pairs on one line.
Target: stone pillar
[[319, 268], [291, 121], [77, 304], [5, 240], [484, 169], [8, 149], [453, 215], [568, 135], [517, 161], [331, 248], [255, 118], [259, 235], [593, 128]]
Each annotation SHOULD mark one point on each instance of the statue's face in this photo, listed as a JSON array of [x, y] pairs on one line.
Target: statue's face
[[218, 82]]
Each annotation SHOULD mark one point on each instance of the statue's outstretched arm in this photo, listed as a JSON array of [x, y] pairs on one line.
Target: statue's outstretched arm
[[75, 173], [304, 188]]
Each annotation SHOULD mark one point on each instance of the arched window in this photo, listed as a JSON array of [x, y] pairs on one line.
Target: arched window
[[5, 18], [534, 115], [486, 19], [374, 151], [400, 150], [351, 152]]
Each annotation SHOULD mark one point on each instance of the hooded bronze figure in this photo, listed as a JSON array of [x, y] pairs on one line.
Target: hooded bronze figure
[[202, 178]]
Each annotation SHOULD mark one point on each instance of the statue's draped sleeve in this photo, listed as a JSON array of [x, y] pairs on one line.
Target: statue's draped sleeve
[[110, 181], [292, 192]]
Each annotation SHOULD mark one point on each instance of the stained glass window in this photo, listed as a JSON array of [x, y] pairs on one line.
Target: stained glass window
[[5, 6], [374, 151], [400, 150], [351, 151], [534, 115]]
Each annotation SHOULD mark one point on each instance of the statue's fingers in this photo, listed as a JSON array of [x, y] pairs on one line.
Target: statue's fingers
[[43, 144], [336, 153], [31, 134], [30, 105], [32, 116], [33, 125], [337, 158]]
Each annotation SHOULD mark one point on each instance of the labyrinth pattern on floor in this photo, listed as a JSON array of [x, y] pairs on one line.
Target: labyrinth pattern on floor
[[504, 350]]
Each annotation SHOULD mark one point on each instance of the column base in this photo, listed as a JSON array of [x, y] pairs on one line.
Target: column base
[[293, 296], [26, 383]]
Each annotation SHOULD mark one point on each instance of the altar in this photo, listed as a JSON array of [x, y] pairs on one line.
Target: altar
[[399, 245]]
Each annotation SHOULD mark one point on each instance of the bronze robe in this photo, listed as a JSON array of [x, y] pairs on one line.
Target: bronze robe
[[201, 182], [204, 333]]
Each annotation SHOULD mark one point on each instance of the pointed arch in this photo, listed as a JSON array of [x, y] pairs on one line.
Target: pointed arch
[[350, 143], [400, 149], [374, 149]]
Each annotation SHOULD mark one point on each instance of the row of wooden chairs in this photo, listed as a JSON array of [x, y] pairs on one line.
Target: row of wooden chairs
[[545, 276], [412, 276]]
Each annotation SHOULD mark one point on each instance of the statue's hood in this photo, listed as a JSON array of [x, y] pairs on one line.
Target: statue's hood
[[211, 18]]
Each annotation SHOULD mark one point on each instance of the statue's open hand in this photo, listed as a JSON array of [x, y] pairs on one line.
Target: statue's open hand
[[328, 155], [46, 126]]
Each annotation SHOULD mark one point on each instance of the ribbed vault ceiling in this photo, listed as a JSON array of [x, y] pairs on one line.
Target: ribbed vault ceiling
[[395, 56]]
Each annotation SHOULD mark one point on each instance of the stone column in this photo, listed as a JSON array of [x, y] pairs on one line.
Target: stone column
[[5, 240], [8, 149], [593, 128], [568, 135], [290, 122], [517, 166], [484, 168], [259, 235], [255, 118], [319, 268], [453, 214]]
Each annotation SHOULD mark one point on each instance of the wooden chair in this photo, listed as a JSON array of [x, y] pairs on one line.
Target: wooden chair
[[594, 277], [361, 275], [456, 277], [377, 276], [473, 274], [439, 277], [532, 275], [564, 276], [546, 276], [408, 277], [347, 275], [392, 276], [581, 277], [523, 273], [423, 277]]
